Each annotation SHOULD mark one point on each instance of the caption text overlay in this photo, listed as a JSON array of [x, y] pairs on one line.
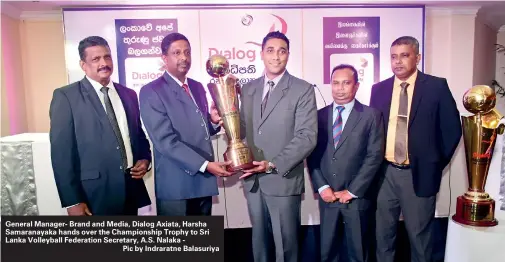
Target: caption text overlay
[[96, 238]]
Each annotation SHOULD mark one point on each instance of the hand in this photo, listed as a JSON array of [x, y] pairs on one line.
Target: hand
[[80, 209], [343, 196], [218, 168], [328, 195], [261, 167], [214, 115], [140, 169]]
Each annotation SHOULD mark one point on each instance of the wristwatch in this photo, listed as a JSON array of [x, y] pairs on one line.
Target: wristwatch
[[270, 168]]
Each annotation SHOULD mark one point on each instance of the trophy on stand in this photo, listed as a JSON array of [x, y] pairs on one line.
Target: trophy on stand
[[475, 207], [224, 91]]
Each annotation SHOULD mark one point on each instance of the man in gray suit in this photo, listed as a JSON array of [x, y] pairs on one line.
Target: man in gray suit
[[279, 119], [349, 152]]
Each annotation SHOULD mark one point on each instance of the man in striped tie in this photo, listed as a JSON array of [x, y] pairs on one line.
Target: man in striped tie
[[343, 166]]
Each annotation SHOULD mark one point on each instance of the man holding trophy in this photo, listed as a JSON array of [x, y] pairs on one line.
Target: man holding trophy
[[175, 113], [278, 118]]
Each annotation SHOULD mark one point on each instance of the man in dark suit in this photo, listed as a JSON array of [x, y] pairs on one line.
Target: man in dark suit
[[279, 120], [175, 112], [99, 152], [349, 152], [422, 132]]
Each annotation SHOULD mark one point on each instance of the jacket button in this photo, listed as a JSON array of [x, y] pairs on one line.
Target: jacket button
[[334, 174], [333, 159]]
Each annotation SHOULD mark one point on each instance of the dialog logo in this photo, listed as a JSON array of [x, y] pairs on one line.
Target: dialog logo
[[247, 20]]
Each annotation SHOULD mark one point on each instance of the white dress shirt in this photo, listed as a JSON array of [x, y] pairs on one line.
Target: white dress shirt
[[345, 115], [204, 165], [122, 121], [266, 87]]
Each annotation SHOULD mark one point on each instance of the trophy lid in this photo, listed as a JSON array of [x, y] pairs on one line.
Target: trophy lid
[[479, 99], [217, 66]]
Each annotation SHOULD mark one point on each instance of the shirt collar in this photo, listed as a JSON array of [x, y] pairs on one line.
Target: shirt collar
[[177, 80], [97, 86], [276, 79], [347, 106], [411, 80]]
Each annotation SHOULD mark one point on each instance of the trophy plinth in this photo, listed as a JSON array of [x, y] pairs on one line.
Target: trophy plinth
[[224, 91], [475, 207], [240, 156], [478, 213]]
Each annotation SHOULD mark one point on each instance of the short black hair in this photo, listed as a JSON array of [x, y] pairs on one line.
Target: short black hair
[[169, 39], [275, 34], [407, 40], [89, 42], [344, 66]]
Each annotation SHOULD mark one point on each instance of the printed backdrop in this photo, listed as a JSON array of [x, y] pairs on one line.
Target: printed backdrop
[[320, 38]]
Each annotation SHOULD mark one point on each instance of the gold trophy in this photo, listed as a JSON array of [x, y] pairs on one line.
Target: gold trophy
[[225, 93], [475, 207]]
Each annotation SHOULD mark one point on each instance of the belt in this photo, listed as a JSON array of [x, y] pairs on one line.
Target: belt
[[399, 166]]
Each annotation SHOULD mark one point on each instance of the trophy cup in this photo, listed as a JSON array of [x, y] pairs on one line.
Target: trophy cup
[[475, 207], [224, 92]]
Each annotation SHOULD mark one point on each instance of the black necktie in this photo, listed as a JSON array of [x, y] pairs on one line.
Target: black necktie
[[115, 126]]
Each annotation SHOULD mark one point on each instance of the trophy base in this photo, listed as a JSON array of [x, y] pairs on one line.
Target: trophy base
[[241, 158], [475, 213]]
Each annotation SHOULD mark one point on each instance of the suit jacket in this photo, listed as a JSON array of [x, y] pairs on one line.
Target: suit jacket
[[434, 128], [354, 163], [84, 151], [181, 135], [285, 135]]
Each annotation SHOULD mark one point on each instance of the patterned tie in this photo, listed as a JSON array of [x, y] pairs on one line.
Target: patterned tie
[[186, 88], [401, 126], [264, 103], [337, 126], [115, 127]]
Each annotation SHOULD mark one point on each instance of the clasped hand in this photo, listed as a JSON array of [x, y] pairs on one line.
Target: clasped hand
[[330, 196]]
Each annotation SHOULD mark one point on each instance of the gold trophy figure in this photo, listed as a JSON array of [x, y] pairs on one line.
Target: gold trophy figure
[[475, 207], [224, 91]]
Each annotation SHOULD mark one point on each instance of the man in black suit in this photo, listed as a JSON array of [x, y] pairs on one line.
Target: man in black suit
[[99, 152], [349, 152], [422, 132]]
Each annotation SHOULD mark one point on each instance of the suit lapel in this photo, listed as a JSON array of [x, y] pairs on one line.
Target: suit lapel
[[126, 105], [196, 94], [387, 96], [257, 93], [177, 90], [91, 95], [417, 96], [352, 121], [279, 92], [328, 115]]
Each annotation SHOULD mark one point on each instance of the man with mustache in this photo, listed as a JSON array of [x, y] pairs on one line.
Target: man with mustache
[[422, 127], [279, 121], [99, 151], [349, 152], [176, 115]]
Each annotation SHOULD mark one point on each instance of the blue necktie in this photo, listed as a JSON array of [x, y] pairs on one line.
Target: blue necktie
[[337, 126]]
